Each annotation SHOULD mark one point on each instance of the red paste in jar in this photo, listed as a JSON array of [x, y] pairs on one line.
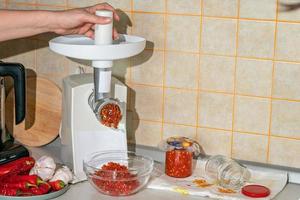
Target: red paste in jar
[[179, 163], [113, 183]]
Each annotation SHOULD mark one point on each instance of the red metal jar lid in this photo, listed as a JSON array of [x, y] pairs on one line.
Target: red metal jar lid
[[256, 191]]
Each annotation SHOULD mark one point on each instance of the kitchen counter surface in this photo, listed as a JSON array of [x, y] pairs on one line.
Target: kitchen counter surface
[[85, 191]]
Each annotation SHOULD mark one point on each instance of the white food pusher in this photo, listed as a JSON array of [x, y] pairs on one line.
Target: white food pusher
[[85, 94]]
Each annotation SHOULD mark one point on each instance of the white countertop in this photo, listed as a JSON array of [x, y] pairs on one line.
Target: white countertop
[[85, 191]]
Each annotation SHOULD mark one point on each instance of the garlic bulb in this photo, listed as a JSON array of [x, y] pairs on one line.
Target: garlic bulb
[[44, 167], [64, 174]]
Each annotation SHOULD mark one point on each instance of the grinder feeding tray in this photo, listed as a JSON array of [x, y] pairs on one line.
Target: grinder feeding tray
[[94, 105]]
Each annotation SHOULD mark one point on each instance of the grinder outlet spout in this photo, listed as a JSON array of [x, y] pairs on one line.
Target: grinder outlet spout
[[108, 111]]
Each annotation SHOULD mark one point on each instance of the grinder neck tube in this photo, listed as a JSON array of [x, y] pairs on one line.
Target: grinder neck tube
[[102, 69]]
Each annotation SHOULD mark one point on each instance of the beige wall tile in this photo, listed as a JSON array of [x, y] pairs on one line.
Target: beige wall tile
[[286, 14], [121, 69], [148, 68], [217, 73], [49, 7], [262, 9], [180, 106], [220, 8], [256, 39], [285, 118], [287, 80], [15, 6], [184, 6], [151, 27], [20, 51], [215, 142], [81, 3], [284, 152], [146, 102], [2, 4], [123, 4], [250, 147], [254, 77], [252, 114], [170, 130], [149, 5], [124, 25], [288, 42], [53, 2], [74, 67], [147, 133], [181, 70], [118, 4], [21, 1], [48, 62], [215, 110], [219, 36], [177, 39]]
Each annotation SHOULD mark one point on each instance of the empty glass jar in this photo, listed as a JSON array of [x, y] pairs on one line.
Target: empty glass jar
[[226, 172]]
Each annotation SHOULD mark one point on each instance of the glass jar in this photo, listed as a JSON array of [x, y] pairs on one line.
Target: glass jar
[[179, 156], [179, 163], [226, 172]]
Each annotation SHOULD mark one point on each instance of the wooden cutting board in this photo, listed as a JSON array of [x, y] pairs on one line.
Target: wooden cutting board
[[43, 113]]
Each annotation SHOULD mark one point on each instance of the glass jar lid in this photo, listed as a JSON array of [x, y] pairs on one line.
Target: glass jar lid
[[180, 143]]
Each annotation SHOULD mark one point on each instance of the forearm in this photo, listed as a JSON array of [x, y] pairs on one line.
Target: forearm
[[17, 24]]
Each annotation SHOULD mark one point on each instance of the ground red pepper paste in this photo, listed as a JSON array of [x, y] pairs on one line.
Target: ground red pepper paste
[[111, 115], [111, 180], [179, 163]]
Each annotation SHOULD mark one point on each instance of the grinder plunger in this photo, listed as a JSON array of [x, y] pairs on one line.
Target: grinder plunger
[[107, 110]]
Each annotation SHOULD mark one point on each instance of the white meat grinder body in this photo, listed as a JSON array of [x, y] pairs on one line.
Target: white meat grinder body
[[82, 133]]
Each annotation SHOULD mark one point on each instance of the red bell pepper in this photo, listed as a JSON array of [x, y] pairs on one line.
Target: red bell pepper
[[32, 179], [9, 191], [18, 185], [19, 166]]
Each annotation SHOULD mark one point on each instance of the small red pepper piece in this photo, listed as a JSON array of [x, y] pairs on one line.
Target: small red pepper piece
[[43, 188], [57, 185]]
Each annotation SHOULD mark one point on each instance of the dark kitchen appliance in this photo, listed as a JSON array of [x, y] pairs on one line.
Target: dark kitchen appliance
[[8, 150]]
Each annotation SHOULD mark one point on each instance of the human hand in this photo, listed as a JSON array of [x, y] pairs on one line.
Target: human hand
[[81, 20]]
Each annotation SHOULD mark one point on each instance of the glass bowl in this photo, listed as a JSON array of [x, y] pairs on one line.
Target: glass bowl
[[117, 173]]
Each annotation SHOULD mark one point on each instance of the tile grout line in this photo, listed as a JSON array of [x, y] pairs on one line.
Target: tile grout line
[[214, 91], [164, 72], [229, 56], [272, 86], [218, 129], [235, 79], [38, 4], [197, 135]]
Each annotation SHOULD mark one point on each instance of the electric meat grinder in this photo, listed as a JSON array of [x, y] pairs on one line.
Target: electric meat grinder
[[86, 95]]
